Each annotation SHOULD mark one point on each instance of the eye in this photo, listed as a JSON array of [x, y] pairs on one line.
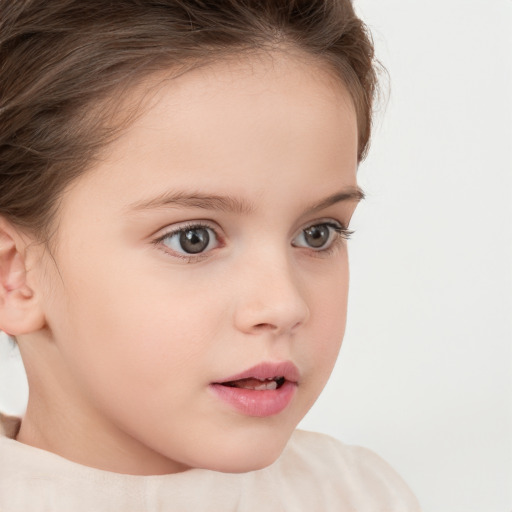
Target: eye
[[190, 240], [321, 236]]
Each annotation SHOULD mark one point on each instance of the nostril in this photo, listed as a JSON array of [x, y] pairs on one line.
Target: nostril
[[265, 326], [273, 327]]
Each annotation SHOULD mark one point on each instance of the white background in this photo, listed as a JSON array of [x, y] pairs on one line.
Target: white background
[[425, 373]]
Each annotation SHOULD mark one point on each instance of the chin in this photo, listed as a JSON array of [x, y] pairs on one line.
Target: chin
[[250, 453], [245, 464]]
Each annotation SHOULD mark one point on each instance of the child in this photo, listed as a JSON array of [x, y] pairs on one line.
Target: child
[[177, 179]]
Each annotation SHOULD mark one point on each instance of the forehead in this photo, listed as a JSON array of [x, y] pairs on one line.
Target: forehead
[[234, 126], [270, 98]]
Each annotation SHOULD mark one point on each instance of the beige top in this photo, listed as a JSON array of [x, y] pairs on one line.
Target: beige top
[[315, 473]]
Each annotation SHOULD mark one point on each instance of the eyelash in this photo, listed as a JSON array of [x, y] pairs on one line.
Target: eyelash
[[192, 258], [342, 234]]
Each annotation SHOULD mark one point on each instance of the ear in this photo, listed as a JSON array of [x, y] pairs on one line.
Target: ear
[[20, 311]]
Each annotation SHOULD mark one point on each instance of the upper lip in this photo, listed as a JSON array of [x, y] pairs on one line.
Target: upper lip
[[267, 370]]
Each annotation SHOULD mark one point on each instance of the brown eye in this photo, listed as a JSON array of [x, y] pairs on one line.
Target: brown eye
[[194, 241], [320, 237], [317, 236], [191, 240]]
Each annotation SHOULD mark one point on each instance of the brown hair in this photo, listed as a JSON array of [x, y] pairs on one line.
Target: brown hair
[[61, 59]]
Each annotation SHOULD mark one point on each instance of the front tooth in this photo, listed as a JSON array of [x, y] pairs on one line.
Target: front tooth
[[269, 385]]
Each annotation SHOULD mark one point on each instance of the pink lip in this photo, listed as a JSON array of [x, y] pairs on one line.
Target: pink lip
[[284, 369], [260, 403]]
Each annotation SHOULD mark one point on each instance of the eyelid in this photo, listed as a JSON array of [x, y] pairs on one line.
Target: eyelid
[[182, 226], [337, 225], [174, 229], [342, 234]]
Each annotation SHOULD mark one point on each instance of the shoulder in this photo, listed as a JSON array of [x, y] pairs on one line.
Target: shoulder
[[355, 475]]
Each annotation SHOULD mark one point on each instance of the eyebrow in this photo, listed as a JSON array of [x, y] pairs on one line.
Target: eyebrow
[[354, 194], [232, 204], [195, 200]]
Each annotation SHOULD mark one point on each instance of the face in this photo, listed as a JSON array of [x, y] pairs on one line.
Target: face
[[199, 303]]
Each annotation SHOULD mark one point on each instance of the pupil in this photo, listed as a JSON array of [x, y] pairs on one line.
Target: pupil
[[194, 240], [317, 236]]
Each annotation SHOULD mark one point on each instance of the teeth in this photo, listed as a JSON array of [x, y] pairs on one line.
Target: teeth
[[270, 385], [257, 384]]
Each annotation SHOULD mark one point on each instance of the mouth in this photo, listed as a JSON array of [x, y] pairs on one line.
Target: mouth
[[266, 373], [264, 390], [256, 384]]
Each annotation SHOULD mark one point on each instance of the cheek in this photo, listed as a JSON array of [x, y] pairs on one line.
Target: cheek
[[131, 330], [322, 339], [328, 319], [142, 329], [331, 322]]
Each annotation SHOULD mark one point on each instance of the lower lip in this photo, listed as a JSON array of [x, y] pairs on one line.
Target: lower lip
[[252, 402]]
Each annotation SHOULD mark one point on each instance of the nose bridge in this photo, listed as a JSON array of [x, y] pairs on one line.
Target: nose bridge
[[270, 297]]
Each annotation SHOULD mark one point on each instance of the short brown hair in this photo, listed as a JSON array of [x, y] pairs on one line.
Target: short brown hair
[[60, 58]]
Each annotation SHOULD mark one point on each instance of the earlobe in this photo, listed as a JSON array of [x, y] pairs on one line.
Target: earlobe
[[20, 311]]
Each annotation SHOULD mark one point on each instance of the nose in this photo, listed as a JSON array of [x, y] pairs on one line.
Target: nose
[[269, 300]]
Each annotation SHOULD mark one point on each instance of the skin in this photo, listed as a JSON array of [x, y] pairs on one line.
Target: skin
[[133, 332]]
